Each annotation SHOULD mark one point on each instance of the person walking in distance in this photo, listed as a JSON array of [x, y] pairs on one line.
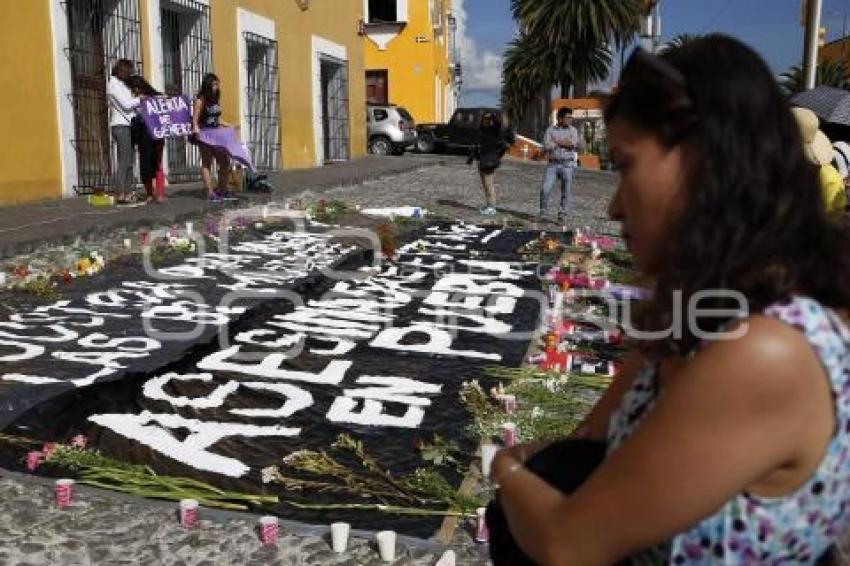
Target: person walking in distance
[[560, 145], [122, 109], [494, 138]]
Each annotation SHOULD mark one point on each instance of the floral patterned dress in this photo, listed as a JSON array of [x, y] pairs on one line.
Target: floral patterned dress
[[794, 529]]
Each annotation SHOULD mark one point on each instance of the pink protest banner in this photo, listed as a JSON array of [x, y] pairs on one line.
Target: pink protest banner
[[228, 140]]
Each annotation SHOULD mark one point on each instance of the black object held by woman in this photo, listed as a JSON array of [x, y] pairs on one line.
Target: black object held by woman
[[494, 139]]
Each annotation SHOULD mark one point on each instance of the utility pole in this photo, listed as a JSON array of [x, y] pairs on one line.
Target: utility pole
[[650, 25], [812, 11]]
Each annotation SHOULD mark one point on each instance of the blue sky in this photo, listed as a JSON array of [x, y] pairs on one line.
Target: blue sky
[[772, 27]]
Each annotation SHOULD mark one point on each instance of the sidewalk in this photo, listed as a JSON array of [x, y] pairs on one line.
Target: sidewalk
[[27, 226]]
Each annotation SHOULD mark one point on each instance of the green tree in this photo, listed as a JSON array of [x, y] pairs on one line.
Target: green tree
[[574, 35], [680, 40], [829, 73], [525, 74]]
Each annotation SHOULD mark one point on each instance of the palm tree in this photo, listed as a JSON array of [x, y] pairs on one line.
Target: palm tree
[[576, 34], [524, 75], [829, 73], [679, 41]]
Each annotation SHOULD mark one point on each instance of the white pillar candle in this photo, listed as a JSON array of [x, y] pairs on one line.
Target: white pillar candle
[[447, 559], [339, 536], [488, 452], [386, 545]]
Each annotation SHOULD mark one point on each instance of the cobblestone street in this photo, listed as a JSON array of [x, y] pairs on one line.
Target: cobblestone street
[[453, 189], [101, 528]]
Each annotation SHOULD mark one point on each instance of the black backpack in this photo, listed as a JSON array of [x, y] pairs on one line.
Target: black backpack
[[254, 182]]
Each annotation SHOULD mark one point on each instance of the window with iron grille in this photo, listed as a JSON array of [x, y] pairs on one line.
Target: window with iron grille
[[334, 105], [377, 87], [186, 58], [100, 32], [262, 94]]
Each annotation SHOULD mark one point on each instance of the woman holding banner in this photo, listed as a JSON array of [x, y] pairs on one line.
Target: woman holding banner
[[150, 149], [206, 116]]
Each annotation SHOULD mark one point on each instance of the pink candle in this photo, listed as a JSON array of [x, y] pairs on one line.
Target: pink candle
[[269, 530], [188, 513], [63, 492], [481, 532]]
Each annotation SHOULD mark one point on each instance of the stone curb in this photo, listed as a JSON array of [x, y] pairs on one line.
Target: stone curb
[[183, 205]]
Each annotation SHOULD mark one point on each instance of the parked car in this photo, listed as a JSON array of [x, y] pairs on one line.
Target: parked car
[[391, 129], [459, 134]]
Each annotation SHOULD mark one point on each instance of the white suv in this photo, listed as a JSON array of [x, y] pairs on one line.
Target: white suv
[[390, 128]]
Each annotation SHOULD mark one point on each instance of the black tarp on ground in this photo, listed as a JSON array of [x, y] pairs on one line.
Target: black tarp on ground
[[60, 415]]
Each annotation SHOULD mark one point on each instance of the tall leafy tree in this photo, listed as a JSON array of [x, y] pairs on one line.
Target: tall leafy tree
[[575, 35], [680, 40], [525, 74], [830, 72]]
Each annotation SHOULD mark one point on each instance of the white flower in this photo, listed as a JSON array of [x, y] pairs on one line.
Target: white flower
[[295, 456], [536, 413], [269, 474]]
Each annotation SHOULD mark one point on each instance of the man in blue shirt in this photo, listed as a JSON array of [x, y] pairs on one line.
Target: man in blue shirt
[[560, 145]]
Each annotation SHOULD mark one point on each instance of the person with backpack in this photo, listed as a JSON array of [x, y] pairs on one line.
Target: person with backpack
[[494, 138]]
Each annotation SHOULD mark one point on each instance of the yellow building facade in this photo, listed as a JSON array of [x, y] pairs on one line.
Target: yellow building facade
[[411, 56], [838, 50], [292, 75]]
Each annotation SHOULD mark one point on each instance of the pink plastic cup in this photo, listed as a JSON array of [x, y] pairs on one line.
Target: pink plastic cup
[[63, 492], [269, 530], [482, 534], [188, 513]]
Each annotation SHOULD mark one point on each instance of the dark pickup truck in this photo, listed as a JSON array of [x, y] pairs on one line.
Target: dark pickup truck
[[460, 133]]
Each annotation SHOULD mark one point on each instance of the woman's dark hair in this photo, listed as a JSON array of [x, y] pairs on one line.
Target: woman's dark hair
[[754, 221], [143, 87], [206, 92], [122, 69]]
